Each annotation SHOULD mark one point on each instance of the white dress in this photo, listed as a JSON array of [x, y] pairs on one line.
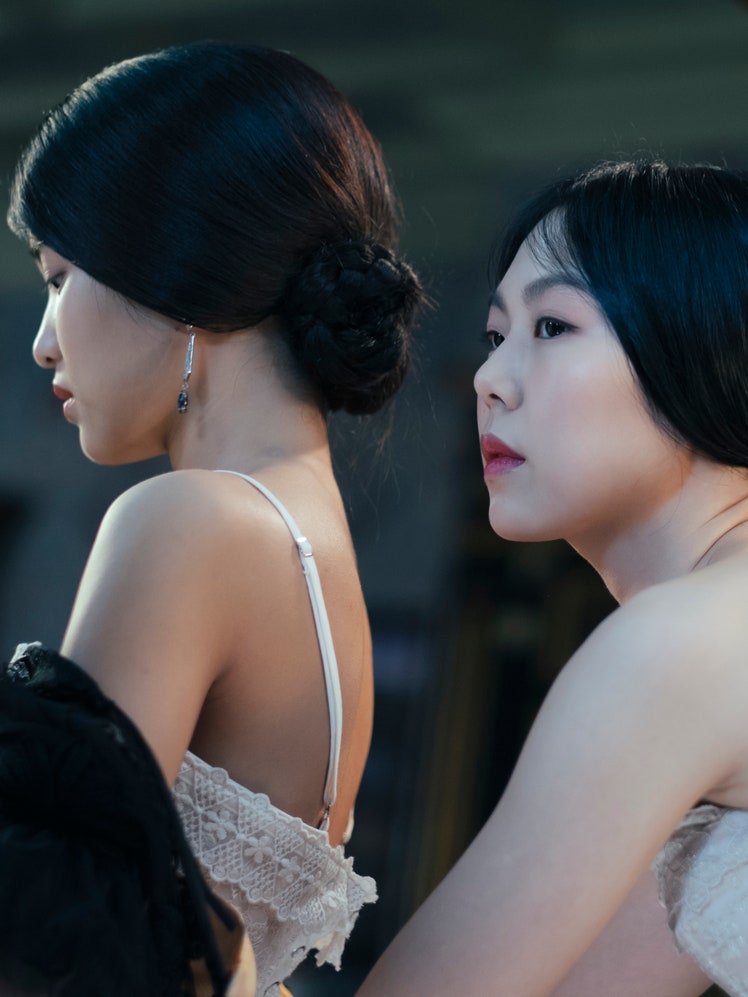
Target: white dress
[[292, 889], [702, 874]]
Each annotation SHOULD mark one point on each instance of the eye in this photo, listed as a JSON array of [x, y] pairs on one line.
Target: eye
[[549, 328], [495, 339], [55, 282]]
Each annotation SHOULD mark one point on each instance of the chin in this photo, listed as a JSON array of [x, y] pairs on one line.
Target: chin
[[519, 529], [518, 534], [105, 455]]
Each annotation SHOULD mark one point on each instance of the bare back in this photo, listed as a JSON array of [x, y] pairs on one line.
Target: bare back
[[266, 720], [201, 567]]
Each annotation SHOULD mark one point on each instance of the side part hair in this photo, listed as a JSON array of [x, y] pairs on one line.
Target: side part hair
[[221, 184], [664, 252]]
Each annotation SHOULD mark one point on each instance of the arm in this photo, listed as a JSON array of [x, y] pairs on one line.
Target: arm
[[635, 956], [152, 613], [625, 743]]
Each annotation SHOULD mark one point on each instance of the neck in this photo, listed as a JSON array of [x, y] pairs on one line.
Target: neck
[[243, 413], [703, 522]]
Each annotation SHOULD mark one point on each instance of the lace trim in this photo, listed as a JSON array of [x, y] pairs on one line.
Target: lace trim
[[675, 866], [702, 876], [283, 875]]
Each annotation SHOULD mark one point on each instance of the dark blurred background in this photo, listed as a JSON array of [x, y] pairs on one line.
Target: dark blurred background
[[475, 104]]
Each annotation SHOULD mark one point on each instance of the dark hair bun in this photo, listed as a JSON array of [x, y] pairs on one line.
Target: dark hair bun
[[347, 316], [245, 179]]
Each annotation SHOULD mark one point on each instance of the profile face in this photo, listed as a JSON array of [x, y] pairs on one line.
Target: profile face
[[117, 368], [569, 447]]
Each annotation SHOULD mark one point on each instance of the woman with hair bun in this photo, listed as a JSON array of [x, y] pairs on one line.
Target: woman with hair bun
[[216, 231], [613, 413]]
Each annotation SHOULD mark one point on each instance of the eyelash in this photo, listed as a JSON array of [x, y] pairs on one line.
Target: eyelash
[[561, 327], [495, 339], [55, 282]]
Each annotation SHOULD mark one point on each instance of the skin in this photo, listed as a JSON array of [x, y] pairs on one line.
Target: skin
[[183, 612], [645, 720]]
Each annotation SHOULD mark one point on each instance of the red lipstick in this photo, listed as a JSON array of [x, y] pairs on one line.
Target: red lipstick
[[498, 457], [66, 397]]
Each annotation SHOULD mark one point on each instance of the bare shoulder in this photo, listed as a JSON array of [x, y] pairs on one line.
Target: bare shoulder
[[622, 747], [186, 514], [152, 616], [173, 498], [678, 629], [669, 668], [191, 545]]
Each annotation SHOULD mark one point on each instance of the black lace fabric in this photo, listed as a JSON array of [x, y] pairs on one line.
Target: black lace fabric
[[100, 892]]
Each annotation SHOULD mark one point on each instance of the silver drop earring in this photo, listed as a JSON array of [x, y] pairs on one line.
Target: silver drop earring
[[183, 399]]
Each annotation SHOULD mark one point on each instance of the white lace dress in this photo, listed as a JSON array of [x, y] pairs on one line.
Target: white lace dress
[[293, 890], [703, 880]]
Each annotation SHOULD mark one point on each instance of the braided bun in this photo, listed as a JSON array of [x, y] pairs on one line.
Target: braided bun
[[347, 317]]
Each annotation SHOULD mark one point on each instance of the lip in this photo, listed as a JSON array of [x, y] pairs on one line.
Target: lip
[[67, 399], [498, 457]]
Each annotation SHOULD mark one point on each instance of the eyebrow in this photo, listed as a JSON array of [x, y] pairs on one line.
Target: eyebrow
[[538, 287]]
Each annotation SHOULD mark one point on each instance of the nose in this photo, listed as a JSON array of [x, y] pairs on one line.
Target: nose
[[496, 382], [46, 349]]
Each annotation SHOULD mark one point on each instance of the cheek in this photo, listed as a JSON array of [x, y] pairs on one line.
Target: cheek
[[615, 441], [83, 330], [603, 392], [569, 412], [590, 423]]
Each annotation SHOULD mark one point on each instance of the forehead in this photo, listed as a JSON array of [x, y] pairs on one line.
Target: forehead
[[531, 275]]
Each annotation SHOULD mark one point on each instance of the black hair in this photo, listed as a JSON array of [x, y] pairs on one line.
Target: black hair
[[663, 250], [218, 185], [101, 893]]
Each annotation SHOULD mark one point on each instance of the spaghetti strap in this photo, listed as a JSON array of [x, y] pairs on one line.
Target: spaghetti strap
[[324, 637]]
